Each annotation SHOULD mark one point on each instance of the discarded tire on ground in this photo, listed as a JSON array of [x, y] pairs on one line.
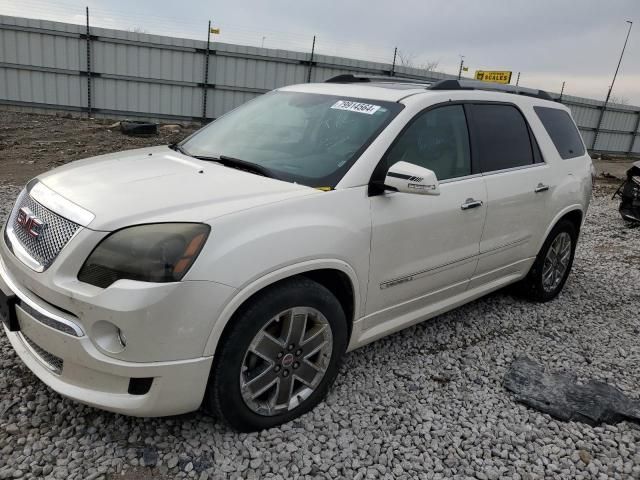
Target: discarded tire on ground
[[138, 129]]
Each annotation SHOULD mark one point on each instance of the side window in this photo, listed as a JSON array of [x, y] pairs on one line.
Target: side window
[[502, 137], [438, 140], [562, 130]]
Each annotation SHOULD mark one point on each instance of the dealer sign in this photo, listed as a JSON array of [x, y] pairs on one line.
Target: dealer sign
[[493, 76]]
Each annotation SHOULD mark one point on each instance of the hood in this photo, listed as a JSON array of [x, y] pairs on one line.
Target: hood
[[160, 185]]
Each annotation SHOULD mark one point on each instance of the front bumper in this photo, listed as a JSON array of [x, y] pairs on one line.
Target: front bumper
[[72, 364], [177, 387]]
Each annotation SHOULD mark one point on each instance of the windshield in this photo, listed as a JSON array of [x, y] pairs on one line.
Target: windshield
[[305, 138]]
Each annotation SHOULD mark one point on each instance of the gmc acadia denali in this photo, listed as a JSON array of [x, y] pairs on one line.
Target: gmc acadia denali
[[235, 269]]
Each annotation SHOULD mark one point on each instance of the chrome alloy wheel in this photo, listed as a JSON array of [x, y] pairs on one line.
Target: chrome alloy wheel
[[556, 262], [286, 361]]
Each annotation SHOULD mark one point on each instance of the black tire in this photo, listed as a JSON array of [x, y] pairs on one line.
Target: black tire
[[532, 286], [224, 398], [138, 129]]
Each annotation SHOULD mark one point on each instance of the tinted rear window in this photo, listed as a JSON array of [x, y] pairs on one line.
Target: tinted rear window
[[562, 130], [502, 137]]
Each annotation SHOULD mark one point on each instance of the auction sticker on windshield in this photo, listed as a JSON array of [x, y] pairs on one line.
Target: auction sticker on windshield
[[355, 107]]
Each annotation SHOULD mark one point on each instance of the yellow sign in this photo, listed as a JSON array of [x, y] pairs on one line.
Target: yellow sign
[[495, 77], [215, 30]]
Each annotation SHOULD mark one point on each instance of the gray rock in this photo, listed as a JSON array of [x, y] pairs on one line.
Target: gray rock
[[149, 457], [12, 429]]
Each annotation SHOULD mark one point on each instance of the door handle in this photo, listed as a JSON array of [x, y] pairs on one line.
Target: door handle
[[541, 188], [471, 203]]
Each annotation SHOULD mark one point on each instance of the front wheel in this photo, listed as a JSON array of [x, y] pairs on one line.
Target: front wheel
[[279, 356], [551, 269]]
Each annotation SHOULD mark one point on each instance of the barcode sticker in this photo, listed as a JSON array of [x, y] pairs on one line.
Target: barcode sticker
[[355, 107]]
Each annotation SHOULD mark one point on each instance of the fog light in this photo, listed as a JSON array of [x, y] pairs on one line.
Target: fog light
[[108, 337]]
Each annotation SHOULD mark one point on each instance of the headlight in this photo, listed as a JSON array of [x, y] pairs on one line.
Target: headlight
[[161, 252]]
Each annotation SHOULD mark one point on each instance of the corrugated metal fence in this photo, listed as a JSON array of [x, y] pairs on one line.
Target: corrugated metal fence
[[114, 73]]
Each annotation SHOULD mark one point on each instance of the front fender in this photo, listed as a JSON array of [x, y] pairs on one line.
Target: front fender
[[254, 248], [270, 278]]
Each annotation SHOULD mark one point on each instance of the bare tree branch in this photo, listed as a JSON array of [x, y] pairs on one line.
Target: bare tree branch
[[429, 66], [138, 30], [405, 59]]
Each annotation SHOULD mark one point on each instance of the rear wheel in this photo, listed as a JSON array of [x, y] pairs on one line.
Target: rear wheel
[[551, 269], [279, 357]]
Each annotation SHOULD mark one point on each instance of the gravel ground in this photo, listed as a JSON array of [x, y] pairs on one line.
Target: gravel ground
[[426, 402]]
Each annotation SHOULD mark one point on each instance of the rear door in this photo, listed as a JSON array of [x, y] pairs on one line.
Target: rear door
[[518, 183]]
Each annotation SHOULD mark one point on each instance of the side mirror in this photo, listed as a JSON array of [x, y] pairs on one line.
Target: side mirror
[[409, 178]]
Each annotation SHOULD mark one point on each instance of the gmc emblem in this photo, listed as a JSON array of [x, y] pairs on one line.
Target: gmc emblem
[[28, 220]]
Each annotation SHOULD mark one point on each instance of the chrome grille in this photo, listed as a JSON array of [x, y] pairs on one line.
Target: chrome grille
[[56, 233], [52, 362]]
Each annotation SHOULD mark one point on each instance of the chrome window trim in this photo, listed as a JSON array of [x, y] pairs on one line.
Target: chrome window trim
[[459, 179], [24, 298], [514, 169], [59, 204]]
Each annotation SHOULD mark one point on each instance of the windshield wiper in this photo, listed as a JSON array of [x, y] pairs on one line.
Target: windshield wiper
[[178, 148], [240, 165]]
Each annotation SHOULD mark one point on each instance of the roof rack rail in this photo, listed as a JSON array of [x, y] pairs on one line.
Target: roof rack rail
[[494, 87], [351, 78], [449, 84]]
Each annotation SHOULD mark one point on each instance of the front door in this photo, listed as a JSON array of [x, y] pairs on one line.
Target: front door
[[424, 248]]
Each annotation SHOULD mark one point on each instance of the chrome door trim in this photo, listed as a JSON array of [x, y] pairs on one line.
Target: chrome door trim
[[505, 246], [461, 261], [423, 273]]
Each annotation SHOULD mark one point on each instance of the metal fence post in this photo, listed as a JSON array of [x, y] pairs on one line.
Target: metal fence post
[[461, 67], [634, 134], [393, 65], [599, 124], [88, 66], [613, 82], [313, 49], [205, 85]]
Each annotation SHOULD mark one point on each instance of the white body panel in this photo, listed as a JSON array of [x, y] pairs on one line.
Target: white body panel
[[422, 244], [407, 257], [515, 222]]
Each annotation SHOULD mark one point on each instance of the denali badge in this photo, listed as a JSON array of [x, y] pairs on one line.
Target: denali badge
[[28, 220]]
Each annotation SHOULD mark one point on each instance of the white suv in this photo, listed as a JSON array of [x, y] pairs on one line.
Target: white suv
[[235, 269]]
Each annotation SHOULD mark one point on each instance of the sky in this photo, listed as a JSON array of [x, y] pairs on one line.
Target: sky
[[547, 41]]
